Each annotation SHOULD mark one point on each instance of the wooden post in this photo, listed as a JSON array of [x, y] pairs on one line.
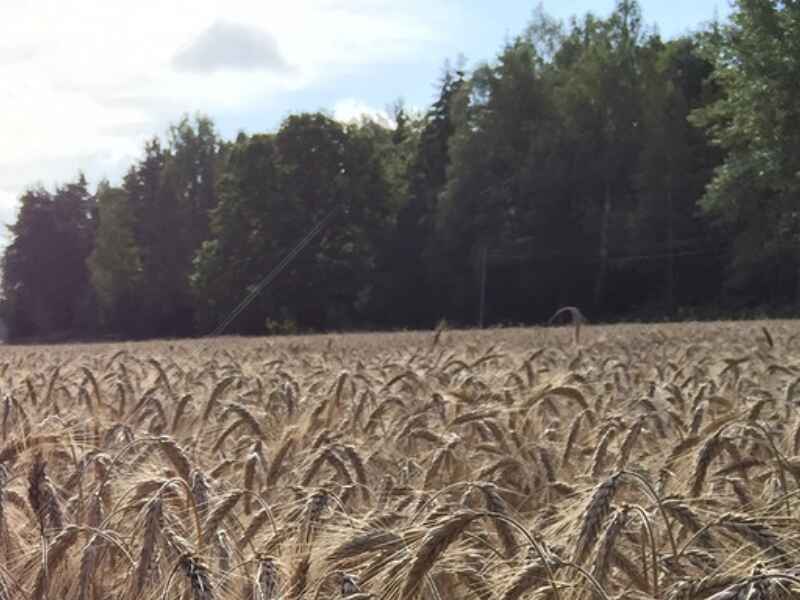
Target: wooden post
[[483, 261]]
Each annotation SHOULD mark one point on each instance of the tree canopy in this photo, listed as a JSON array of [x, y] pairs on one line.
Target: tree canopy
[[589, 163]]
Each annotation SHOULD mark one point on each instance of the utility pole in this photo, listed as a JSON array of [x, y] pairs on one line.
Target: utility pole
[[483, 260], [671, 264]]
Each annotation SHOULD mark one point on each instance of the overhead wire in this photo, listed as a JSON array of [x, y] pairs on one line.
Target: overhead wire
[[270, 277]]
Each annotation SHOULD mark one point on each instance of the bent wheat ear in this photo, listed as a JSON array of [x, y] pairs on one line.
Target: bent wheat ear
[[434, 544], [218, 514], [276, 467], [200, 489], [628, 444], [199, 580], [314, 508], [599, 458], [42, 496], [574, 430], [350, 586], [218, 390], [577, 320], [299, 579], [595, 514], [266, 583], [755, 532], [602, 563], [495, 504], [176, 456], [180, 409], [55, 555], [708, 452], [36, 481], [370, 541], [153, 523], [534, 573], [88, 565]]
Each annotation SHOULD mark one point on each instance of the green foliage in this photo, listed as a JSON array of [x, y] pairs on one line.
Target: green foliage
[[281, 327], [171, 192], [45, 278], [275, 189], [756, 121], [115, 264], [557, 165], [566, 171]]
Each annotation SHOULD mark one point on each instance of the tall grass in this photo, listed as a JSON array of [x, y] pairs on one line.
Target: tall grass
[[631, 461]]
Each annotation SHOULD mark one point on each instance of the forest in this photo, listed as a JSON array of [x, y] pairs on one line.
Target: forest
[[590, 163]]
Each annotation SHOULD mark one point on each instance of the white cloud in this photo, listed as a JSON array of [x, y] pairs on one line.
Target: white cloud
[[351, 110], [85, 83], [8, 209], [231, 46]]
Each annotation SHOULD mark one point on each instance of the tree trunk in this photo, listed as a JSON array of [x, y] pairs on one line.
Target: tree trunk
[[482, 308], [797, 286], [671, 258], [602, 270]]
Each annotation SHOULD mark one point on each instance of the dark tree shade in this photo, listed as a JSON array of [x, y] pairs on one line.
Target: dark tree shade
[[590, 163], [45, 277]]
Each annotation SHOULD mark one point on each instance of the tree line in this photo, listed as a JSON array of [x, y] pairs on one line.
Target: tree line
[[590, 163]]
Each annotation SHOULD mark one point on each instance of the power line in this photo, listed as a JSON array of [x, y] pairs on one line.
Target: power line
[[498, 257], [219, 330], [501, 258], [716, 252]]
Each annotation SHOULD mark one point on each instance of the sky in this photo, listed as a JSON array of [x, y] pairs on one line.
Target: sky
[[83, 83]]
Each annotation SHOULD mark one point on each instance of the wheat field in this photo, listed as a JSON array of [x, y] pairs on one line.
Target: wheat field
[[643, 462]]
